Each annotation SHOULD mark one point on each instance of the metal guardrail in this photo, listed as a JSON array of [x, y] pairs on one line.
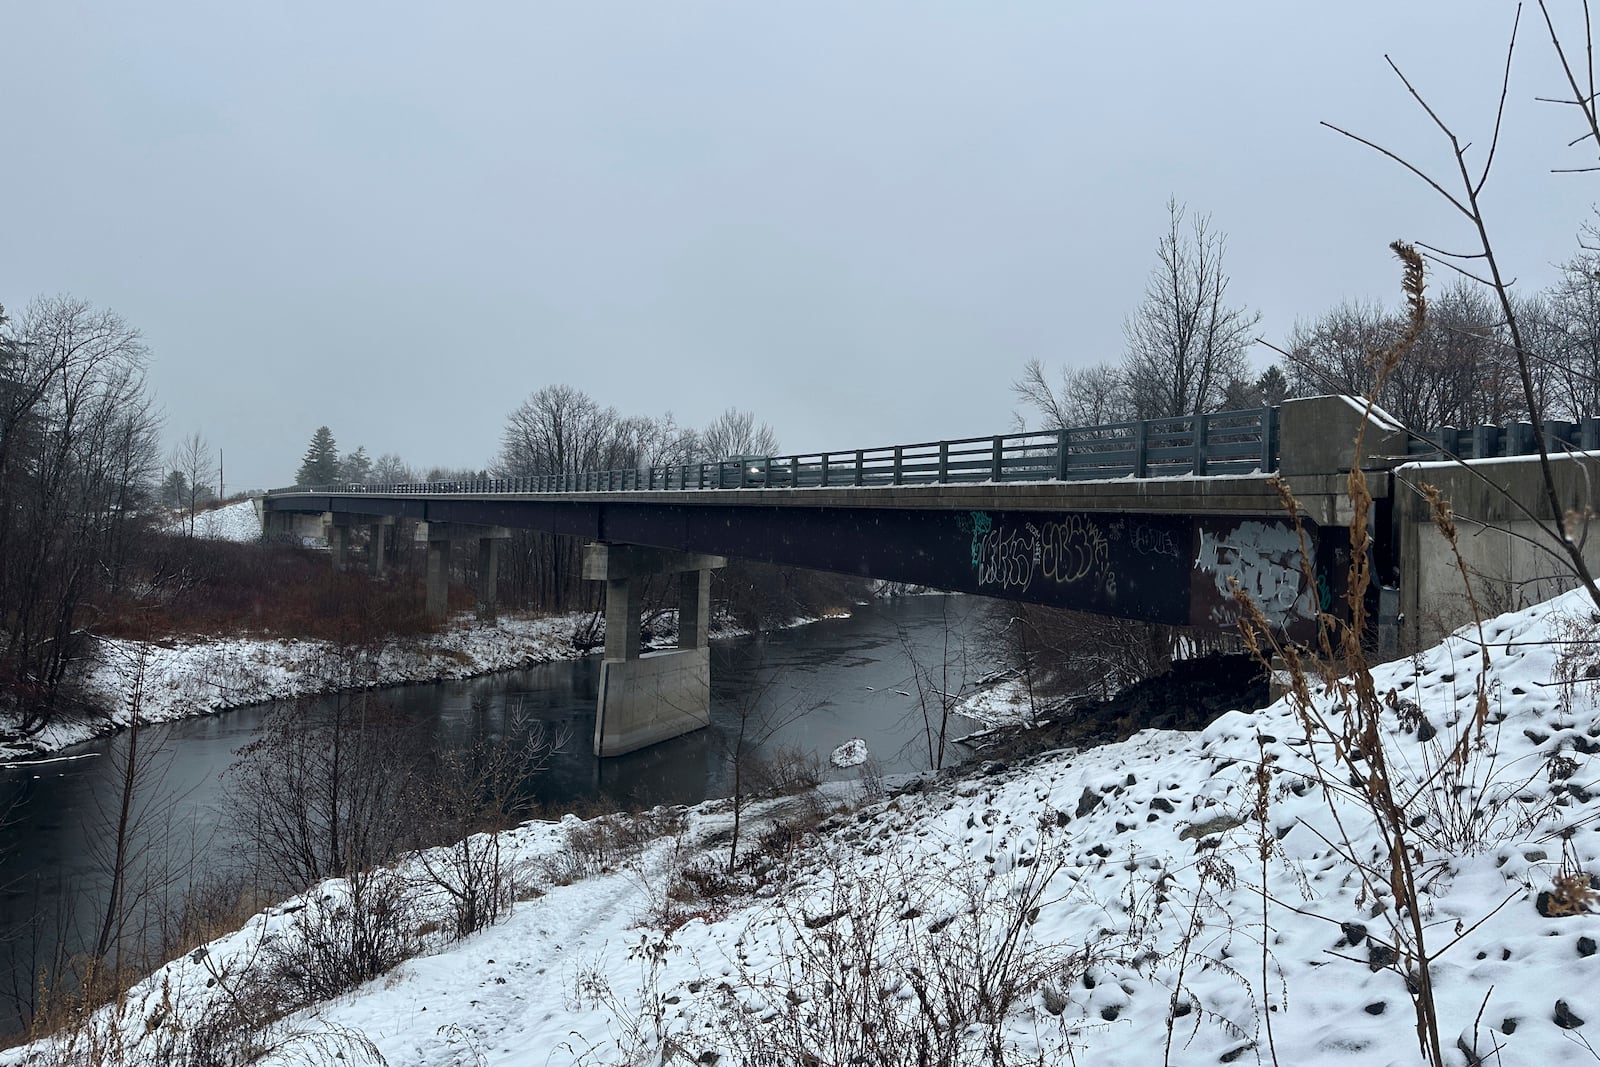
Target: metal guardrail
[[1228, 442], [1512, 439]]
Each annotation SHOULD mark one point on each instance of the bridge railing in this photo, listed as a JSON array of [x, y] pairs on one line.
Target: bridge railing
[[1512, 439], [1229, 442]]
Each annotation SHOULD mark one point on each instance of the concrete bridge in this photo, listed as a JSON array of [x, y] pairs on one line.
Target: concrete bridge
[[1147, 520]]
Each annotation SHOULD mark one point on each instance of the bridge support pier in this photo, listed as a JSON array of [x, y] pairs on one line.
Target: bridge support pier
[[336, 528], [380, 546], [440, 536], [646, 698]]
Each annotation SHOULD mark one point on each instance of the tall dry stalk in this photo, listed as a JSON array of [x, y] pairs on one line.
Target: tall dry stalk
[[1344, 728]]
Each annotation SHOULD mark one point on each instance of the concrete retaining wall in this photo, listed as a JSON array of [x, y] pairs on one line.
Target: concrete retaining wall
[[1498, 506]]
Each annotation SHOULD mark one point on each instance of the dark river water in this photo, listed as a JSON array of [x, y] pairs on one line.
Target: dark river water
[[809, 689]]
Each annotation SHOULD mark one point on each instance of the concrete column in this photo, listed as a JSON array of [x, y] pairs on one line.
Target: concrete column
[[624, 598], [488, 578], [438, 579], [694, 609], [338, 544], [377, 548]]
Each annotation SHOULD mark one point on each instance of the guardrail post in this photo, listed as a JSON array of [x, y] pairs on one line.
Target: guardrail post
[[1449, 440], [824, 481], [1269, 440], [859, 457], [1589, 433], [1485, 441], [898, 451], [996, 458], [794, 471], [1063, 450], [1141, 457], [944, 461], [1557, 432], [1202, 435]]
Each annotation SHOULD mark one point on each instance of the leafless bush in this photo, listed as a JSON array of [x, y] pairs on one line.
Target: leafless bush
[[866, 981], [600, 844], [347, 934], [330, 787], [473, 793]]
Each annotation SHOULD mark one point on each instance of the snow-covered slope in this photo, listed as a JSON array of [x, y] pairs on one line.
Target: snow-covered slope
[[1118, 892], [230, 522]]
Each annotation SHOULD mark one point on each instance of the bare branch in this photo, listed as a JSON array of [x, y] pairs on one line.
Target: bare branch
[[1500, 109], [1583, 100], [1458, 205]]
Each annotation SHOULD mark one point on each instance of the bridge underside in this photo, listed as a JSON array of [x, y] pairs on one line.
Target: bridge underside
[[1163, 560], [1167, 568]]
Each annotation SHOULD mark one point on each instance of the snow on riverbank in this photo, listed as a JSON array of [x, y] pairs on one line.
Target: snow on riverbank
[[185, 678], [1123, 884]]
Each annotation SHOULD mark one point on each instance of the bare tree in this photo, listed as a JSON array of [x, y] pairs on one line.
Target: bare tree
[[1462, 187], [390, 469], [192, 458], [77, 453], [1460, 371], [1088, 396], [736, 433], [1571, 320], [1185, 342]]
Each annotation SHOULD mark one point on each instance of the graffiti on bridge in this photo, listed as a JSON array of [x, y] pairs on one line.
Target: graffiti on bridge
[[1264, 558], [1072, 550]]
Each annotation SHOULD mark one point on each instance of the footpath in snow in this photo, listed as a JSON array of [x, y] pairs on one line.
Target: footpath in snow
[[1200, 898]]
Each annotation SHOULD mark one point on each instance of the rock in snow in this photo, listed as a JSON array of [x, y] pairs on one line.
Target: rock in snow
[[853, 753]]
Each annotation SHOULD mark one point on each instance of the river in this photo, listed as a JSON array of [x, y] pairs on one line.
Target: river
[[810, 688]]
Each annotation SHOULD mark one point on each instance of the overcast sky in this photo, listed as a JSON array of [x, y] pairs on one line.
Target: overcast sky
[[857, 219]]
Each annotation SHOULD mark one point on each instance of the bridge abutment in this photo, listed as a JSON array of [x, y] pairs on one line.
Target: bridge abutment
[[649, 697]]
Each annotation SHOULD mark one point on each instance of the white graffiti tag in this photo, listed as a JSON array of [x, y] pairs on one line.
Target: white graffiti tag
[[1067, 552], [1265, 560]]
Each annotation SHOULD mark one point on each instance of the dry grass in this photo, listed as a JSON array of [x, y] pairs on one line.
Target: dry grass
[[193, 586]]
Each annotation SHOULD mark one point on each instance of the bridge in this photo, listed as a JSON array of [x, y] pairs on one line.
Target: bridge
[[1147, 520]]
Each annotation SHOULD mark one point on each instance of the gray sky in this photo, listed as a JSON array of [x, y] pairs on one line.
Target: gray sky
[[857, 219]]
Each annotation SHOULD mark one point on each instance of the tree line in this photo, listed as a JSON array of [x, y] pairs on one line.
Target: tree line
[[79, 447], [1187, 348], [561, 430]]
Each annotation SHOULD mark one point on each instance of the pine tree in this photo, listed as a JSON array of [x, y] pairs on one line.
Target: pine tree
[[356, 467], [175, 490], [321, 464]]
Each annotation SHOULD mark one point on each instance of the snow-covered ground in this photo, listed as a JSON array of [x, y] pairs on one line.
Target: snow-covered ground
[[230, 522], [1174, 898]]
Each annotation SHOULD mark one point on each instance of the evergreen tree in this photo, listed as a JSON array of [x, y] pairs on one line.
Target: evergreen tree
[[321, 463], [356, 467], [175, 490]]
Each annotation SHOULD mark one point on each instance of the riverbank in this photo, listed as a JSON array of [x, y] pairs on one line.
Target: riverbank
[[181, 679], [1108, 906]]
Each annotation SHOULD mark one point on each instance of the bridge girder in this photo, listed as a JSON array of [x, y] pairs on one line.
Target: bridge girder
[[1172, 568]]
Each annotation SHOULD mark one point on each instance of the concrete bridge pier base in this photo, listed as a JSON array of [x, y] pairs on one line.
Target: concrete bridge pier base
[[647, 698], [440, 536]]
